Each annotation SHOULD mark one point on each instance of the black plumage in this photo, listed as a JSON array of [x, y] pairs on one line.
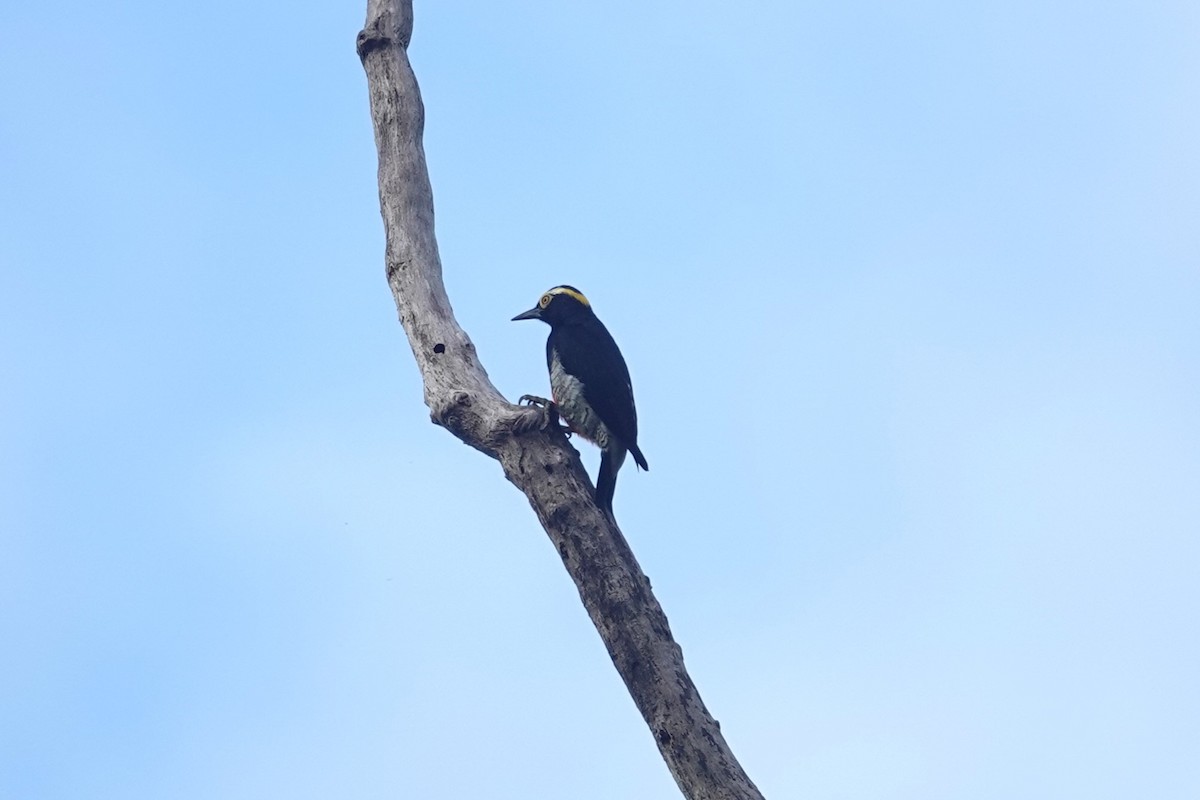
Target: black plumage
[[589, 382]]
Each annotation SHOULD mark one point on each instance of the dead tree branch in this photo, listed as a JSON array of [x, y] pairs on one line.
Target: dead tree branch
[[533, 454]]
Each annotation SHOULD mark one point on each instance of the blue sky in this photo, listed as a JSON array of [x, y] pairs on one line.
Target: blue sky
[[909, 294]]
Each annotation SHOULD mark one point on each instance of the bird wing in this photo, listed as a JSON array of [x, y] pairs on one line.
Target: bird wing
[[590, 354]]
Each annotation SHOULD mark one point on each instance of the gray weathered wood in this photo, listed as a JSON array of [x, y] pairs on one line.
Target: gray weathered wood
[[534, 455]]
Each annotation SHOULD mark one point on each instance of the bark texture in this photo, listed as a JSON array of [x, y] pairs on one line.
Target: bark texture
[[533, 453]]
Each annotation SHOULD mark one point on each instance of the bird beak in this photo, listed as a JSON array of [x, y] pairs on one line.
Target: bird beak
[[533, 313]]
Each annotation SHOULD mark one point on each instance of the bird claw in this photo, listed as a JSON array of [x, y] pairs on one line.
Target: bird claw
[[549, 416]]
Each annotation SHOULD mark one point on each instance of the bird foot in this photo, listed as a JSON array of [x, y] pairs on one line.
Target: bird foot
[[547, 416]]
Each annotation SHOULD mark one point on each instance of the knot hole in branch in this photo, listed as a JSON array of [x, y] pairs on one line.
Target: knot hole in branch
[[370, 39]]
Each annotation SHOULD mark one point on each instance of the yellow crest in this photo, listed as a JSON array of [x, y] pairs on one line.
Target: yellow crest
[[567, 290]]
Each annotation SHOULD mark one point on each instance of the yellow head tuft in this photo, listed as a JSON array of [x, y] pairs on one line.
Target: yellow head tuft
[[570, 291]]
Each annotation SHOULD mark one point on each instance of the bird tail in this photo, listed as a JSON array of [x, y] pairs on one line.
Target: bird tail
[[606, 481], [638, 458]]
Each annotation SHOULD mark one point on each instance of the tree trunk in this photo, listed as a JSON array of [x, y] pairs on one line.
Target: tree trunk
[[533, 453]]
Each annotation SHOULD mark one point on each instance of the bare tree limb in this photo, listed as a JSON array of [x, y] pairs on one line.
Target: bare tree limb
[[534, 454]]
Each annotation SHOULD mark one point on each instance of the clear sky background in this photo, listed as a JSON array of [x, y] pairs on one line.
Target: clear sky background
[[910, 297]]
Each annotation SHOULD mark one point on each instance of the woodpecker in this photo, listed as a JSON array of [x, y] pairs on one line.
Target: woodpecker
[[589, 382]]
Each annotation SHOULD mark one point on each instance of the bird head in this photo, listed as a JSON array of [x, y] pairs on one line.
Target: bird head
[[560, 304]]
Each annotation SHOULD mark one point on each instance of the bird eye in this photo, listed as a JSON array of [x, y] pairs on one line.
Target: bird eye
[[545, 301]]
